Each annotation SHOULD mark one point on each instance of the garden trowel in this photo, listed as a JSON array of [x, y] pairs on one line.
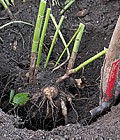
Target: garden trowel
[[110, 75]]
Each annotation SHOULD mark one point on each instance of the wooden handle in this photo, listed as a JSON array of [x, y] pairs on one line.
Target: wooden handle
[[112, 54]]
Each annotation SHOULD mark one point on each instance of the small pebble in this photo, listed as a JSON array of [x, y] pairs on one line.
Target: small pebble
[[81, 13]]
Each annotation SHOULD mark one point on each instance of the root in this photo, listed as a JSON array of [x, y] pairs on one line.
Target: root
[[50, 105], [48, 111], [71, 103], [42, 103], [50, 92], [65, 76], [32, 68], [69, 99], [52, 109], [53, 103], [64, 110]]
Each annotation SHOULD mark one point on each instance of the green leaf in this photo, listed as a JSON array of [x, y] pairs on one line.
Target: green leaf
[[12, 92], [20, 98]]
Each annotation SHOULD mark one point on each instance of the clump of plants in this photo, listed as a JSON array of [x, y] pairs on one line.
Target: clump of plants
[[51, 100]]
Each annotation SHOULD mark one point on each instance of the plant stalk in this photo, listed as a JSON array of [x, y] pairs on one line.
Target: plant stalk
[[36, 36], [67, 46], [72, 71], [67, 6], [53, 41], [12, 1], [90, 60], [76, 47], [6, 8], [42, 37], [7, 2], [63, 41]]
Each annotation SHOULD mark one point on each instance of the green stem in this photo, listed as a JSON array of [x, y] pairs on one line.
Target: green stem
[[67, 46], [36, 37], [66, 7], [62, 38], [53, 42], [12, 1], [78, 38], [60, 34], [6, 8], [7, 2], [38, 26], [43, 36], [90, 60], [76, 47], [72, 71]]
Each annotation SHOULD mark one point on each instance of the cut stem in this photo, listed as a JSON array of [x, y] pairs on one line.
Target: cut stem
[[67, 6], [53, 41], [67, 46], [7, 2], [6, 8], [72, 71], [76, 47], [63, 41], [90, 60], [36, 36], [12, 1], [42, 37]]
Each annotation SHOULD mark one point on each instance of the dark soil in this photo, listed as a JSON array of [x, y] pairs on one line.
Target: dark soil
[[15, 44], [107, 128]]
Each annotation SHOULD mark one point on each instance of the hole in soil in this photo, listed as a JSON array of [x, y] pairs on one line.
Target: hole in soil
[[46, 125], [34, 121], [45, 112], [27, 119], [74, 90]]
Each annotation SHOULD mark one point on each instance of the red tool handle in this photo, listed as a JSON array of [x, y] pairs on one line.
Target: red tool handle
[[112, 80]]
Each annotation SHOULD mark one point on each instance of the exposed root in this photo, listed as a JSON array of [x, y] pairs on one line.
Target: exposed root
[[42, 102], [50, 92], [64, 110], [65, 76], [48, 107], [54, 100], [70, 101], [32, 68]]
